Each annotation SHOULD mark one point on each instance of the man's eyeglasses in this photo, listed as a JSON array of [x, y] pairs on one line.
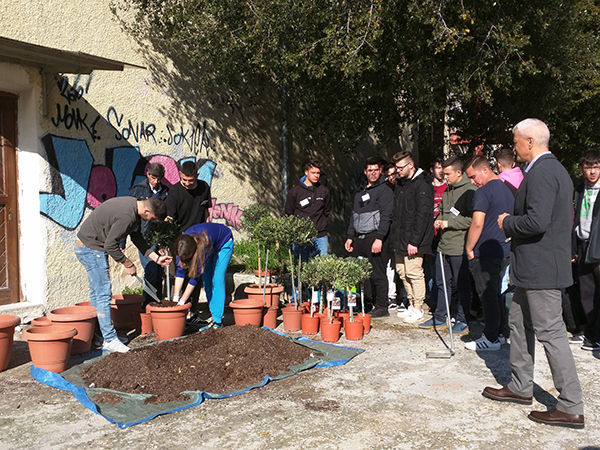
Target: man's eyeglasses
[[589, 169], [399, 168]]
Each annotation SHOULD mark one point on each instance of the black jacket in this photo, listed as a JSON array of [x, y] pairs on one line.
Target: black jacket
[[413, 214], [373, 214], [309, 201], [593, 249]]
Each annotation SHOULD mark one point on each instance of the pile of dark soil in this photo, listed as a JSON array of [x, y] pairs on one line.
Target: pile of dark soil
[[216, 361]]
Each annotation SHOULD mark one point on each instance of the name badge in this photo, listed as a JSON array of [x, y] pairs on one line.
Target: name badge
[[455, 211], [304, 202], [366, 197]]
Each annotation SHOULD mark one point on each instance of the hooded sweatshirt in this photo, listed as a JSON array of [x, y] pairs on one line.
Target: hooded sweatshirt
[[309, 201], [457, 209]]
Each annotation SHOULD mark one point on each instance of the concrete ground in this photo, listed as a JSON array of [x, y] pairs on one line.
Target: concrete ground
[[389, 397]]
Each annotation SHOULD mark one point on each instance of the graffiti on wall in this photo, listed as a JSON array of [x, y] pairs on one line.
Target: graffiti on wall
[[77, 181]]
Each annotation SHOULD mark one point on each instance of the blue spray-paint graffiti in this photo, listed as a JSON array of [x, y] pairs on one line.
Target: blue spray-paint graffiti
[[70, 163], [76, 182]]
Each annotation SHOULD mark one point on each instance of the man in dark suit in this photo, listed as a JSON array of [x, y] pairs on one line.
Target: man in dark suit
[[540, 230]]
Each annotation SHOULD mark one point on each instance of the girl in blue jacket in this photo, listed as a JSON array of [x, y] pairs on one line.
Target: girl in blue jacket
[[204, 250]]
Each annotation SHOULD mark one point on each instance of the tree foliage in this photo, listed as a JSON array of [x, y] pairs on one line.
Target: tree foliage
[[352, 66]]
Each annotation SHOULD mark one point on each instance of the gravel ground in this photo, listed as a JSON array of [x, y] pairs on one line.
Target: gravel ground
[[389, 397]]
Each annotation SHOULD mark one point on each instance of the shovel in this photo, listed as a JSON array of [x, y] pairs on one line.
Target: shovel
[[149, 289], [446, 353]]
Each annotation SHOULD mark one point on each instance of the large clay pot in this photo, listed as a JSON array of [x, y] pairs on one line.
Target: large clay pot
[[272, 293], [330, 332], [8, 322], [145, 323], [270, 317], [122, 310], [247, 311], [354, 331], [168, 322], [292, 319], [82, 318], [50, 346], [270, 272], [310, 325], [366, 318], [41, 322]]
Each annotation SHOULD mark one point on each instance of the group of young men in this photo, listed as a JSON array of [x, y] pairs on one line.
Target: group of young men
[[464, 223]]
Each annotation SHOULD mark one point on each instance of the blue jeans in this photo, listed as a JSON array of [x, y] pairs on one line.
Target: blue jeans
[[214, 280], [96, 267], [319, 246]]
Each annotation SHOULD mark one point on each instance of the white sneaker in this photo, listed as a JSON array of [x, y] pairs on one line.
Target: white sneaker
[[115, 346], [483, 345], [403, 311], [99, 340], [415, 315]]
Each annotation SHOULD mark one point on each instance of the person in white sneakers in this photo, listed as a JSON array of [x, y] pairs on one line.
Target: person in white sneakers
[[487, 249], [100, 236], [412, 230]]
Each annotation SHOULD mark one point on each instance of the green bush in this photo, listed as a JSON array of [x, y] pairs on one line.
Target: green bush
[[132, 291], [245, 255]]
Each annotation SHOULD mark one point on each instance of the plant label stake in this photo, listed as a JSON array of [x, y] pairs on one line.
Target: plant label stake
[[266, 271]]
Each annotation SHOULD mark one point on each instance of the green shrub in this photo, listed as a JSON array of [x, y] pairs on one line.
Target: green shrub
[[245, 255], [132, 291]]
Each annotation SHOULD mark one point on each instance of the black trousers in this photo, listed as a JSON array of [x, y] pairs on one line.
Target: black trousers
[[487, 274], [376, 287], [589, 288]]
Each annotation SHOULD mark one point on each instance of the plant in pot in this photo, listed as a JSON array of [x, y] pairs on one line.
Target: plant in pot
[[294, 231], [300, 232], [266, 232], [168, 318], [328, 272], [311, 275], [357, 270], [252, 215]]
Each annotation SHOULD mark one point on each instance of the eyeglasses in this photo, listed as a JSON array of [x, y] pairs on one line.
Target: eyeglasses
[[589, 169], [400, 168]]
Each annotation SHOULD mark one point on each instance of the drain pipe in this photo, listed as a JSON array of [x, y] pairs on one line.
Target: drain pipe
[[285, 158]]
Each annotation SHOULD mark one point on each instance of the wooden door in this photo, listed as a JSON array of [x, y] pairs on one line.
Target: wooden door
[[9, 229]]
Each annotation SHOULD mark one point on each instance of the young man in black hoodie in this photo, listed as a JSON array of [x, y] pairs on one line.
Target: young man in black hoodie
[[369, 229], [412, 230], [309, 198]]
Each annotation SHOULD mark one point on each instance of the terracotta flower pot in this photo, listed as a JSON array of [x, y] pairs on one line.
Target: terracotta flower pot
[[50, 346], [88, 303], [310, 325], [366, 318], [247, 311], [330, 332], [168, 322], [82, 318], [270, 272], [123, 308], [272, 293], [41, 322], [145, 323], [354, 331], [8, 322], [270, 317], [292, 319]]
